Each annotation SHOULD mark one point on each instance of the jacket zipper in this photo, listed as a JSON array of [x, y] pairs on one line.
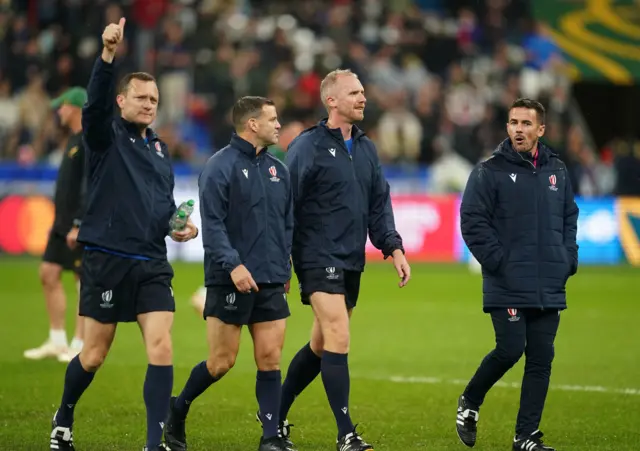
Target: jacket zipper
[[153, 197], [353, 173], [537, 188], [266, 212]]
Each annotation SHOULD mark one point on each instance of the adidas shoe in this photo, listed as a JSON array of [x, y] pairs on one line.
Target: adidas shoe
[[531, 443], [466, 423], [284, 432], [353, 442], [174, 429], [61, 437], [161, 447]]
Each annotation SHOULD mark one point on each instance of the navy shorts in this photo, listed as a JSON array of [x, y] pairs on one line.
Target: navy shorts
[[230, 306], [59, 253], [117, 289], [329, 280]]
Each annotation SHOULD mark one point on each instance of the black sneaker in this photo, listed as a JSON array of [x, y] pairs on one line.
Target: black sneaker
[[161, 447], [61, 437], [174, 430], [273, 444], [284, 432], [531, 443], [353, 442], [466, 423]]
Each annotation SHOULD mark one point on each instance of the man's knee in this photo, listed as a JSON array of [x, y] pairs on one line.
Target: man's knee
[[510, 353], [50, 274], [332, 316], [317, 340], [268, 358], [335, 336], [160, 349], [92, 357], [220, 363], [317, 344], [539, 357]]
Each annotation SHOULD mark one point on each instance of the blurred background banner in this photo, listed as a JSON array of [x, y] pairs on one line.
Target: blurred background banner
[[608, 228], [439, 77]]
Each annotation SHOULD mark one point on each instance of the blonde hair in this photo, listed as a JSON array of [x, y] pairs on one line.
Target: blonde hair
[[330, 80]]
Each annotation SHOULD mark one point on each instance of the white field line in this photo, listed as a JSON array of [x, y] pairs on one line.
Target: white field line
[[461, 382]]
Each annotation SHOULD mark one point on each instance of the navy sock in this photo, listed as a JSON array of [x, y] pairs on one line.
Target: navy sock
[[268, 389], [157, 394], [335, 377], [76, 381], [199, 380], [304, 368]]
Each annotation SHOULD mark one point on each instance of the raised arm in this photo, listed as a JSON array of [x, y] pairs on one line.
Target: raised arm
[[98, 111]]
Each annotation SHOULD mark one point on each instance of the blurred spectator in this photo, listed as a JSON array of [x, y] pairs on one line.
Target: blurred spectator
[[439, 76]]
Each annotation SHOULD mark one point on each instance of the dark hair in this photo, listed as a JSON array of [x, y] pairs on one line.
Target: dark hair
[[530, 104], [123, 86], [248, 107]]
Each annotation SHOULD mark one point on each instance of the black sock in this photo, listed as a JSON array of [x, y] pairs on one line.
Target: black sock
[[157, 393], [304, 368], [199, 380], [76, 381], [268, 389], [335, 377]]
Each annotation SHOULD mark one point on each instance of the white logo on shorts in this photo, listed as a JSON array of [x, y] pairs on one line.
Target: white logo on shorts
[[230, 299], [331, 273], [106, 299]]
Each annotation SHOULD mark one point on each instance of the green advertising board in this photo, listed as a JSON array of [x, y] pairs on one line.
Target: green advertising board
[[600, 37]]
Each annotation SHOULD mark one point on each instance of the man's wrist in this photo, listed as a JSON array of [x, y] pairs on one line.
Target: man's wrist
[[107, 55]]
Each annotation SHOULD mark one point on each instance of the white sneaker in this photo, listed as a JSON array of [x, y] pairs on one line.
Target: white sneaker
[[48, 349], [198, 300], [68, 356]]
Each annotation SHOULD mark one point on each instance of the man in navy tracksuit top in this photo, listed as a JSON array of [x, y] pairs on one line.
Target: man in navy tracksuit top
[[125, 273], [340, 194], [246, 206], [519, 219]]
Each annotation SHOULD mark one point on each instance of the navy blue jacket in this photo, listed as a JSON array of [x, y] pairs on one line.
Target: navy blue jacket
[[338, 197], [520, 222], [129, 182], [247, 214]]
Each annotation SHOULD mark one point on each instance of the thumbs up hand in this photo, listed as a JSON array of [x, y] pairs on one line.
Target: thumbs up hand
[[113, 35]]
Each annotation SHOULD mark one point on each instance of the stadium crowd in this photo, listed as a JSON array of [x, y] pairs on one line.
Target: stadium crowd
[[439, 75]]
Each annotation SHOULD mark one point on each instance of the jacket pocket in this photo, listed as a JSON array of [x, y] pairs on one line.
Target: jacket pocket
[[502, 264], [567, 263]]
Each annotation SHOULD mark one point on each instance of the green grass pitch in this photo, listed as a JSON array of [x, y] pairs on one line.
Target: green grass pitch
[[413, 349]]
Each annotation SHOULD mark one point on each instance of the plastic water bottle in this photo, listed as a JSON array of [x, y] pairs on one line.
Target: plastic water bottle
[[179, 220]]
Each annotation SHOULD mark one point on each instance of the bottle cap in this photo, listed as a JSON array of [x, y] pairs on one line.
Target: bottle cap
[[190, 202], [182, 214]]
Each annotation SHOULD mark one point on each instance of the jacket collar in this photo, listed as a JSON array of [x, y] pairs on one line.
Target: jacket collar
[[245, 146], [133, 129], [505, 149], [337, 133]]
